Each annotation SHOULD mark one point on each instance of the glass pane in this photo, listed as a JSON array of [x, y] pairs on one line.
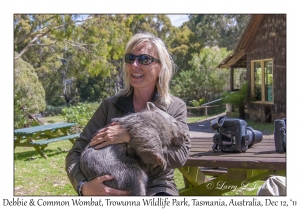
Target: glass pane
[[239, 78], [268, 69], [257, 81]]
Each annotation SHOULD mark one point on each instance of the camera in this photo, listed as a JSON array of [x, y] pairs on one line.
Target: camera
[[233, 135], [280, 135]]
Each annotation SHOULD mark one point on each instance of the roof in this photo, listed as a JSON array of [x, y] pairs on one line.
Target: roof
[[238, 57]]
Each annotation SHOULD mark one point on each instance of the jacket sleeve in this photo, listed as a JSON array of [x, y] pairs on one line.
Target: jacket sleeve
[[177, 157], [98, 121]]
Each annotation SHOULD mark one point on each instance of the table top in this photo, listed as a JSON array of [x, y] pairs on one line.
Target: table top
[[260, 156], [41, 128]]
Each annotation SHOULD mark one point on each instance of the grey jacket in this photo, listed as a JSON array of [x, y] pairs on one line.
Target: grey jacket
[[118, 106]]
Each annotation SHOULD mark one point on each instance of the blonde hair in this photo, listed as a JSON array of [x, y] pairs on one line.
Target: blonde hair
[[166, 65]]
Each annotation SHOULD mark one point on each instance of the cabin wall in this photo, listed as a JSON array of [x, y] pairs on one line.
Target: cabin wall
[[269, 42]]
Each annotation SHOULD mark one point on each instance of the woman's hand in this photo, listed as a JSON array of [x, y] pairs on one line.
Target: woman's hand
[[113, 134], [96, 187]]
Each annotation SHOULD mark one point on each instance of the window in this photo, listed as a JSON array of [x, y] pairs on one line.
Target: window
[[262, 80]]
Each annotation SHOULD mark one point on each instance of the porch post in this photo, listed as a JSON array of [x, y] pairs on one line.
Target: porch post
[[231, 78]]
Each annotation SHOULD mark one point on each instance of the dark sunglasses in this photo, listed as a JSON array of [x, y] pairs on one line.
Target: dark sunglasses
[[142, 59]]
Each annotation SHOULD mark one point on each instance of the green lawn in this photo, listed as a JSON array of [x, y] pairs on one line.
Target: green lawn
[[194, 119], [54, 119], [34, 175]]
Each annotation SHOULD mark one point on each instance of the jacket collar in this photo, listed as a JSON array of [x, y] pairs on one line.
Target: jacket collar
[[125, 103]]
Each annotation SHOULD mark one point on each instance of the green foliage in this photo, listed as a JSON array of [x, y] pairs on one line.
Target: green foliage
[[29, 93], [198, 103], [91, 89], [157, 24], [53, 110], [80, 114], [236, 98], [194, 103], [221, 30], [183, 44], [78, 48], [203, 79]]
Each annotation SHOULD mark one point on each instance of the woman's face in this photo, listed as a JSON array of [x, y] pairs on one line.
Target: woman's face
[[143, 76]]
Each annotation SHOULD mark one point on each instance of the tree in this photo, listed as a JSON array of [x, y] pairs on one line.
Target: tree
[[221, 30], [29, 93], [94, 88], [31, 30], [182, 43], [157, 24], [64, 48], [203, 80]]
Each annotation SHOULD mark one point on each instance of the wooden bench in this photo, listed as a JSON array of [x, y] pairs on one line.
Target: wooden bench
[[40, 136], [41, 145], [61, 138]]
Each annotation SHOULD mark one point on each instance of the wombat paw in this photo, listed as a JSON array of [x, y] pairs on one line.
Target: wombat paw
[[160, 161], [178, 141]]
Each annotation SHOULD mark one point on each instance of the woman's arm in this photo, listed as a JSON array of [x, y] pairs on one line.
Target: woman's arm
[[176, 157]]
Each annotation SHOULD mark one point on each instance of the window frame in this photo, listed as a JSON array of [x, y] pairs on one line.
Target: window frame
[[262, 62]]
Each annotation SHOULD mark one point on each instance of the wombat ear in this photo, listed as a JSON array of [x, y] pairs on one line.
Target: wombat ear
[[150, 106]]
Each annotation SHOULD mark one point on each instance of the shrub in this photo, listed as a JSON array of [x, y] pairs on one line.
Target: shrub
[[80, 114], [29, 93], [237, 98], [53, 110], [198, 103]]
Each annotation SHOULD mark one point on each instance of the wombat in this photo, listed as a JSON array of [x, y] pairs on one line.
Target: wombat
[[151, 131]]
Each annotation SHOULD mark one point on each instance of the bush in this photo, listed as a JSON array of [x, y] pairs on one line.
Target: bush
[[80, 114], [198, 103], [53, 110], [237, 98], [29, 93]]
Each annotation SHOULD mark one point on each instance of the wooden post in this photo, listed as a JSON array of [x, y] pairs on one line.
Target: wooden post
[[231, 79]]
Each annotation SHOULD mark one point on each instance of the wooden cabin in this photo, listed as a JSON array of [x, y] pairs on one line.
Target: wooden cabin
[[262, 51]]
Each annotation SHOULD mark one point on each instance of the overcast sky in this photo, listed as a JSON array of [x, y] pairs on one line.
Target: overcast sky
[[177, 20]]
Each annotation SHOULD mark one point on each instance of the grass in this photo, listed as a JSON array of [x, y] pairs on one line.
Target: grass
[[36, 176], [194, 119], [54, 119], [264, 127]]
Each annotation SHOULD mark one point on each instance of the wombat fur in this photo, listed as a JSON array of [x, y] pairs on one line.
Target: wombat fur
[[151, 131]]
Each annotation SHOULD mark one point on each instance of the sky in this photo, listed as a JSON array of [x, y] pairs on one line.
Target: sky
[[177, 20]]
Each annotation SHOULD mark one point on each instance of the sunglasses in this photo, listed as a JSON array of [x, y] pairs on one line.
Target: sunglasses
[[142, 59]]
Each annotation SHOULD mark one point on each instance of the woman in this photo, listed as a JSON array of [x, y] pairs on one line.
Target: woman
[[147, 72]]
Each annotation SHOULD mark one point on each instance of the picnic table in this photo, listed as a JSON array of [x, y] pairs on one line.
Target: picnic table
[[39, 137], [230, 170]]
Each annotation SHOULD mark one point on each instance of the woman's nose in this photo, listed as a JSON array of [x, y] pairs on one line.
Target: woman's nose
[[135, 62]]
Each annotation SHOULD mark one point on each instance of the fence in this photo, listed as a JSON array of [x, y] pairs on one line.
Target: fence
[[206, 110]]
